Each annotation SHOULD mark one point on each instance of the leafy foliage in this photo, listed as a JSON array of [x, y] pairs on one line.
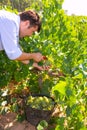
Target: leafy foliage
[[63, 39]]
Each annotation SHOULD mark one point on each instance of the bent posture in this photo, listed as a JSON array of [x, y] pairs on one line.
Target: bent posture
[[13, 27]]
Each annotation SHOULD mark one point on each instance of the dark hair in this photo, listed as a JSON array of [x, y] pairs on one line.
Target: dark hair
[[32, 16]]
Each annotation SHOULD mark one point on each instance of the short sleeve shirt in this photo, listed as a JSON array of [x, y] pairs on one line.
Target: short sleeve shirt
[[9, 34]]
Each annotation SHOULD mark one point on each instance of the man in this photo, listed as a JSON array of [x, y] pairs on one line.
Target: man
[[13, 27]]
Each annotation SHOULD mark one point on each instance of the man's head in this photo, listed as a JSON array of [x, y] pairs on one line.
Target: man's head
[[30, 22]]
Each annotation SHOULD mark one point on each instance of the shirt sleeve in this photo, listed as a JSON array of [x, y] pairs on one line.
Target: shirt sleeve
[[9, 37]]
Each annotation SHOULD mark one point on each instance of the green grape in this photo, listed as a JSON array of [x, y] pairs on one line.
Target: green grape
[[40, 103]]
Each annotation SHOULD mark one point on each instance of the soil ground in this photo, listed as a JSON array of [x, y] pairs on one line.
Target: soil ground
[[9, 122]]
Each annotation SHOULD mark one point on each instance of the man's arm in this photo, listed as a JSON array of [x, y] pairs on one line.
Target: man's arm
[[25, 57], [25, 62]]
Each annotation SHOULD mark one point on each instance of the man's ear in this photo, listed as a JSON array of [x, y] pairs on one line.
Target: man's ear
[[27, 23]]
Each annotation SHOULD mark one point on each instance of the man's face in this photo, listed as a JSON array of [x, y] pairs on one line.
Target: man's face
[[26, 29]]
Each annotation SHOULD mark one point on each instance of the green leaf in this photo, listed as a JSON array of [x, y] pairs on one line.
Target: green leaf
[[78, 76], [60, 87], [43, 124]]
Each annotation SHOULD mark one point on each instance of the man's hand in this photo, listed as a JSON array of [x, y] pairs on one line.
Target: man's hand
[[37, 57], [41, 68]]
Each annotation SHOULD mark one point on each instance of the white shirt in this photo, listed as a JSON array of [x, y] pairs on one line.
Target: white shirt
[[9, 34]]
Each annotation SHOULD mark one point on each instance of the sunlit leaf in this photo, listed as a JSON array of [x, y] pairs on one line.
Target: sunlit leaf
[[60, 87]]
